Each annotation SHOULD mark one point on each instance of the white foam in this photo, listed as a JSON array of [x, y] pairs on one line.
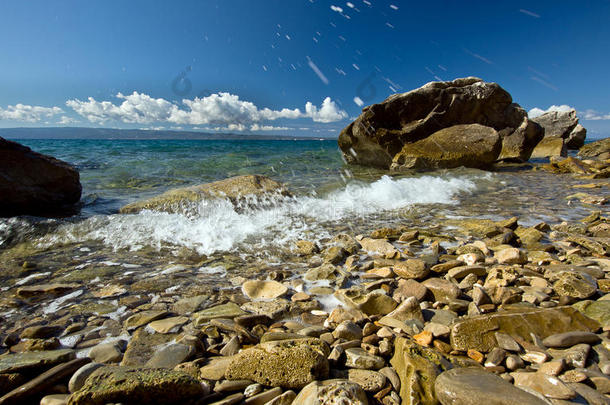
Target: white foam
[[36, 276], [218, 226]]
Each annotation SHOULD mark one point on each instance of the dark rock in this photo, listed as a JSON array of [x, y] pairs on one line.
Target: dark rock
[[35, 184], [379, 134], [38, 385]]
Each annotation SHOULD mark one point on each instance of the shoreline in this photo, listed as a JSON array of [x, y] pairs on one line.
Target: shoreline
[[381, 280]]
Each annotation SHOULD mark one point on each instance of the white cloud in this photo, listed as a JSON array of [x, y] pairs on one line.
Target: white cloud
[[219, 109], [136, 108], [358, 101], [65, 120], [536, 112], [336, 8], [329, 112], [28, 113], [594, 115], [256, 127]]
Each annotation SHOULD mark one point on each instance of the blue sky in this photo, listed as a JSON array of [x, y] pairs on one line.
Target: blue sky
[[300, 67]]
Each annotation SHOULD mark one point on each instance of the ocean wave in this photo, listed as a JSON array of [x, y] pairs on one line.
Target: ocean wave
[[220, 226]]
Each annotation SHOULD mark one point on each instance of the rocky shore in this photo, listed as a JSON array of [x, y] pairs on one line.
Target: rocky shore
[[510, 313], [453, 311]]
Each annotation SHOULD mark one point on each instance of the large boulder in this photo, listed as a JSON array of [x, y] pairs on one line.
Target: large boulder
[[564, 125], [238, 190], [471, 145], [377, 137], [35, 184], [598, 149]]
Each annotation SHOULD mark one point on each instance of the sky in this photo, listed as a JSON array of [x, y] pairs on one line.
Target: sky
[[295, 67]]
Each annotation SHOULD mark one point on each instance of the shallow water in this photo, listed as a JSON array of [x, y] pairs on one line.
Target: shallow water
[[155, 253]]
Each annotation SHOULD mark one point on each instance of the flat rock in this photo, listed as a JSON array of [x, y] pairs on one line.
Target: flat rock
[[114, 384], [106, 353], [468, 386], [143, 318], [236, 189], [331, 392], [598, 310], [478, 332], [170, 356], [549, 386], [229, 310], [356, 357], [284, 363], [40, 384], [54, 289], [370, 381], [168, 325], [256, 289], [569, 339], [34, 361], [143, 346]]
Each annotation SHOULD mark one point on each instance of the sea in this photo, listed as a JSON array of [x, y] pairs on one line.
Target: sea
[[213, 247], [329, 198]]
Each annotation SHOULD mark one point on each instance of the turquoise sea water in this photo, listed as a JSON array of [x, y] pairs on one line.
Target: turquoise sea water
[[114, 172], [330, 196]]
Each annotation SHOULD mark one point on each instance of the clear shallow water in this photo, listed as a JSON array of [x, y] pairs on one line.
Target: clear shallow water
[[330, 197]]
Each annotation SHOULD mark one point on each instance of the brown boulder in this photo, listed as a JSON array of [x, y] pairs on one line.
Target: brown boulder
[[563, 124], [381, 132], [35, 184]]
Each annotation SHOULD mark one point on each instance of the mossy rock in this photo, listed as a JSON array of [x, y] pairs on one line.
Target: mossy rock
[[284, 363], [137, 386]]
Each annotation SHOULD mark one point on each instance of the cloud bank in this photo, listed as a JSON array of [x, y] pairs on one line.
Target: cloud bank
[[589, 114], [28, 113], [537, 112], [219, 109]]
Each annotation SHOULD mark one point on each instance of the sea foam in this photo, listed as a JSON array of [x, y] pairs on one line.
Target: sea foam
[[219, 226]]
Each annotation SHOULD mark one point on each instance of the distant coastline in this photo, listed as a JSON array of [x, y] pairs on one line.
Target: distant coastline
[[137, 134]]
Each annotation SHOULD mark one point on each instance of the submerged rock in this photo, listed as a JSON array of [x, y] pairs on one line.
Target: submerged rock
[[378, 136], [236, 189], [35, 184]]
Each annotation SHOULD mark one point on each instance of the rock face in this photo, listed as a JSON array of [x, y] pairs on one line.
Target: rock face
[[550, 147], [236, 189], [564, 125], [479, 332], [471, 145], [35, 184], [380, 135], [598, 149]]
